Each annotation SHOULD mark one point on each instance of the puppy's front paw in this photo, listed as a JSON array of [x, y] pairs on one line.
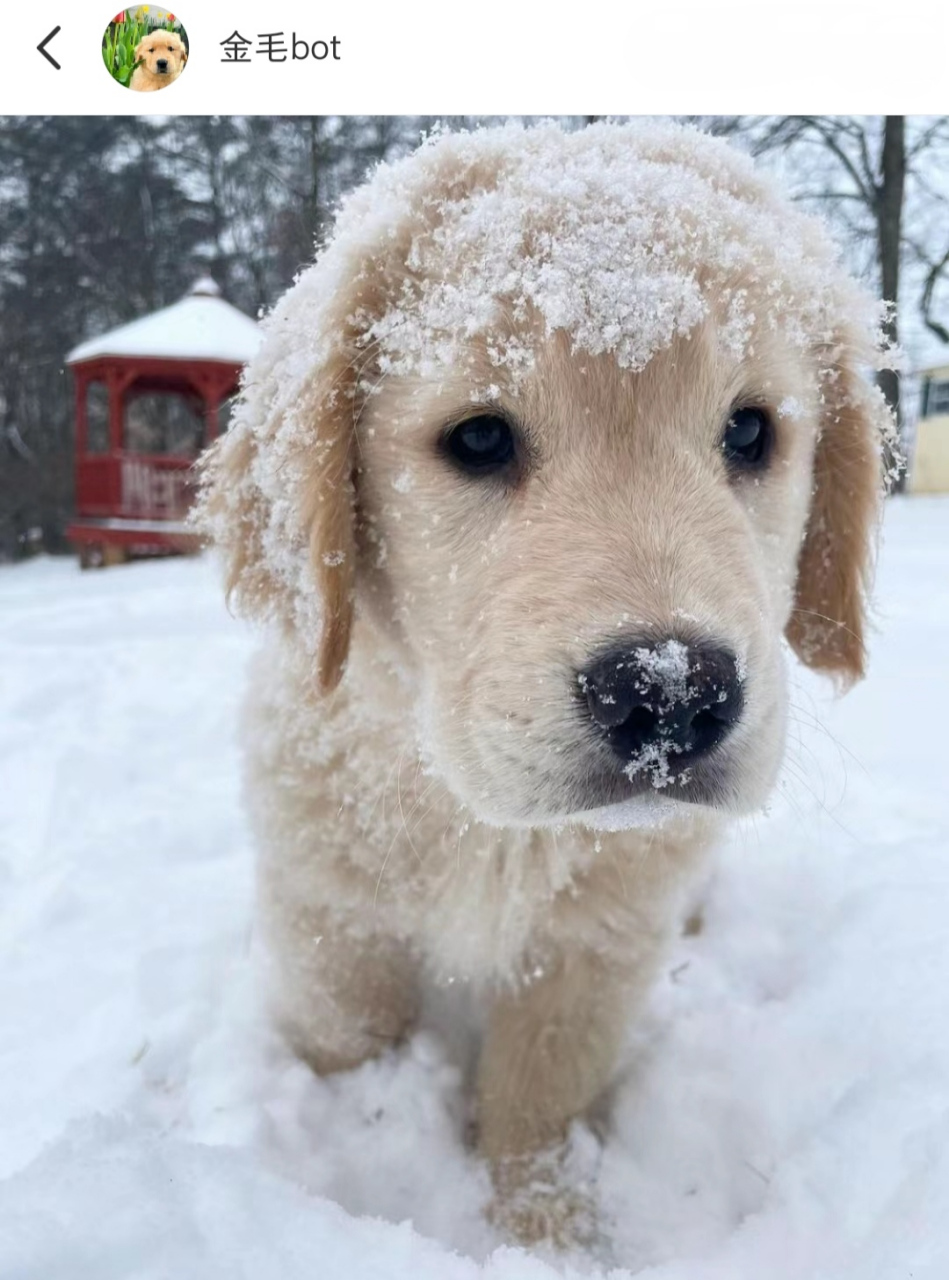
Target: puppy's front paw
[[536, 1203]]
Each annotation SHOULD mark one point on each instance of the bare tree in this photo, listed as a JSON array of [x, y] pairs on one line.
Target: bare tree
[[884, 181]]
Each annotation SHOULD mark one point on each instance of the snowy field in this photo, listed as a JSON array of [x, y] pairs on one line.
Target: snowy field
[[784, 1112]]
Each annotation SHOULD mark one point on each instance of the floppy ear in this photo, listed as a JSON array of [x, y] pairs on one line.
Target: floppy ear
[[826, 628], [281, 511], [138, 48], [330, 512]]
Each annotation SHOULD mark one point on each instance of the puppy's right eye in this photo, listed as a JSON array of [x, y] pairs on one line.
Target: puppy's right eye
[[480, 445]]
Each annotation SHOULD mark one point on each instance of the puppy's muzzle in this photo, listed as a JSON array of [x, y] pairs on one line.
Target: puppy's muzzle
[[663, 705], [162, 66]]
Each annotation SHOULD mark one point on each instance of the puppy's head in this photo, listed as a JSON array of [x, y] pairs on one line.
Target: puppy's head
[[577, 425], [162, 53]]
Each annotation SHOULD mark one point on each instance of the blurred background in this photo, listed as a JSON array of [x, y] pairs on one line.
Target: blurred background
[[105, 220]]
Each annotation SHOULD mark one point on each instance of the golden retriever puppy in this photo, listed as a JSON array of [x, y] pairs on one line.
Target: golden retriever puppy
[[540, 464], [162, 57]]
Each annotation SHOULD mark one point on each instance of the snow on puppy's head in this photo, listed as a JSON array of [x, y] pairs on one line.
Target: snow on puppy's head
[[621, 236], [471, 253]]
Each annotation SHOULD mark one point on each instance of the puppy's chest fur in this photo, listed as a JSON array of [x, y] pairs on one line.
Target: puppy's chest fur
[[348, 815]]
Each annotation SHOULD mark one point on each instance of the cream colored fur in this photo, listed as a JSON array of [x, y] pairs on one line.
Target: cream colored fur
[[165, 47], [417, 783]]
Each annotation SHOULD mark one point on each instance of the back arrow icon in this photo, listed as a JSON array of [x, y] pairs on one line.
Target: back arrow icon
[[42, 47]]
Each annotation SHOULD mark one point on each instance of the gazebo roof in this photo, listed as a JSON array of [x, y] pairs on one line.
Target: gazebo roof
[[202, 326]]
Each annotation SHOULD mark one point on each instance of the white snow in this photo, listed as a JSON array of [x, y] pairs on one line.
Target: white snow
[[784, 1111], [667, 668], [201, 326], [791, 407], [619, 235]]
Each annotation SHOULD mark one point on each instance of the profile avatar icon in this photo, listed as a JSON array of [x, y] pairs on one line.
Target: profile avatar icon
[[145, 48]]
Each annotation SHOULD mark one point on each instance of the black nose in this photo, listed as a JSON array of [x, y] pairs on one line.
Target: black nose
[[662, 706], [162, 64]]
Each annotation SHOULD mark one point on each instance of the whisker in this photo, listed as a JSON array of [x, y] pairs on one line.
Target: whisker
[[408, 835]]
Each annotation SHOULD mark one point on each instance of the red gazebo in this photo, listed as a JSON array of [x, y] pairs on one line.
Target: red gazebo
[[149, 396]]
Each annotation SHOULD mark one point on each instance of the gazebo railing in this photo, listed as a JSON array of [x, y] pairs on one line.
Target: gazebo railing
[[134, 486]]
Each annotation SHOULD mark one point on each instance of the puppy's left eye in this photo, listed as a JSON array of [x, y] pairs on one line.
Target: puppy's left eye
[[481, 445], [747, 439]]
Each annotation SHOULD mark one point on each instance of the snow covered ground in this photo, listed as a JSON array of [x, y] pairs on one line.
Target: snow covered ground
[[784, 1112]]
